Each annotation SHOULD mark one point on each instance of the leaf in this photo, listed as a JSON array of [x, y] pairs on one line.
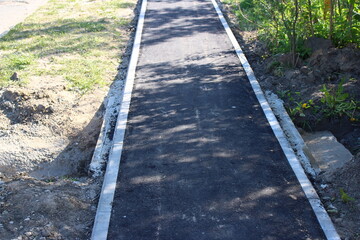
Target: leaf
[[344, 197]]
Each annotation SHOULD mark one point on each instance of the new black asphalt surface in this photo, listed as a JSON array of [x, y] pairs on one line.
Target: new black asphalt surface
[[200, 160]]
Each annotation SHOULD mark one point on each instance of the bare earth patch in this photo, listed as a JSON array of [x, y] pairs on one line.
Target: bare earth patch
[[33, 209], [51, 111], [46, 127], [48, 133]]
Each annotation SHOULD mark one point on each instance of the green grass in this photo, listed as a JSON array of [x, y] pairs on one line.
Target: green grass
[[78, 40]]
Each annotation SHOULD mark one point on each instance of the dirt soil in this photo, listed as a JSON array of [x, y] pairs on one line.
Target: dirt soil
[[53, 209], [47, 138], [326, 65], [46, 130]]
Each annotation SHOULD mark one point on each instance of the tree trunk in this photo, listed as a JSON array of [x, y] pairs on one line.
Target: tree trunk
[[310, 18], [294, 34], [350, 17], [331, 32]]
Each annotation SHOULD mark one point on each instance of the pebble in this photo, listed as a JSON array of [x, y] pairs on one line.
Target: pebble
[[45, 233], [27, 219], [28, 234], [331, 206], [326, 198], [11, 222], [323, 186]]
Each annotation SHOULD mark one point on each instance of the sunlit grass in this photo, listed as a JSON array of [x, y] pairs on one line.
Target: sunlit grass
[[79, 40]]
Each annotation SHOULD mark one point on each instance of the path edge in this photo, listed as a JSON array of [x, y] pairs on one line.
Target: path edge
[[314, 200], [103, 212]]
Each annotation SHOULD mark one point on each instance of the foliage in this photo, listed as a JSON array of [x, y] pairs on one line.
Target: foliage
[[345, 197], [336, 102], [286, 24]]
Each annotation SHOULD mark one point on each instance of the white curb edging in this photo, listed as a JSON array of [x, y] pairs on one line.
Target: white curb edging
[[293, 136], [103, 213], [98, 160], [321, 214]]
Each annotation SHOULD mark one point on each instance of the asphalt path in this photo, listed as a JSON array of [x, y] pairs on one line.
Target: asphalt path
[[200, 160]]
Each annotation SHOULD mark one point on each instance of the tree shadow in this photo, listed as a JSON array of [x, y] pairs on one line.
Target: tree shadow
[[201, 162]]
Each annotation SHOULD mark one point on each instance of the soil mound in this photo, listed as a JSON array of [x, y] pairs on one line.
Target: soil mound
[[25, 106], [48, 131]]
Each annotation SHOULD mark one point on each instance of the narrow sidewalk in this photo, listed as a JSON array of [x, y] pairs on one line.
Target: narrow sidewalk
[[200, 160]]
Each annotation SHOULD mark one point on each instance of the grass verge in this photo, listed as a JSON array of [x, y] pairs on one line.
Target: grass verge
[[78, 40]]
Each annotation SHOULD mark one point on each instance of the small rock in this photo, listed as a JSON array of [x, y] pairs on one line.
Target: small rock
[[304, 70], [331, 206], [41, 108], [1, 182], [14, 77], [338, 220], [45, 233], [326, 198], [28, 234], [290, 75], [332, 209], [323, 186], [50, 109], [311, 77], [27, 219]]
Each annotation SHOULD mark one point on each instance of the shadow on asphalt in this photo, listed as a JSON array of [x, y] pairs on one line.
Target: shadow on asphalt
[[200, 160]]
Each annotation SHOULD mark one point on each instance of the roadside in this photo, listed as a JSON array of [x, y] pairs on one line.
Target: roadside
[[339, 189], [56, 69]]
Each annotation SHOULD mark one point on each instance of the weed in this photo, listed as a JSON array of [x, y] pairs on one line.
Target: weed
[[50, 180], [300, 107], [345, 197], [69, 178], [337, 103]]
